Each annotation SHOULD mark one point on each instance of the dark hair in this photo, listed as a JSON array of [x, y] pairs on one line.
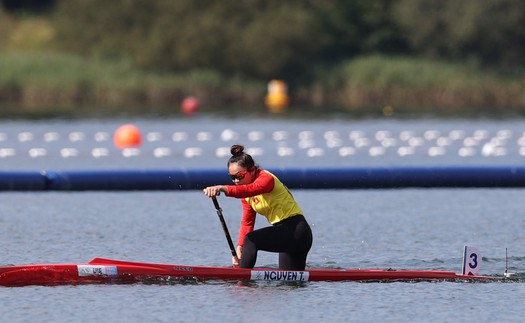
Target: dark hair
[[241, 158]]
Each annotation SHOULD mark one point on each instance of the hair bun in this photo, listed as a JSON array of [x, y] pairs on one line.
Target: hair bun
[[237, 150]]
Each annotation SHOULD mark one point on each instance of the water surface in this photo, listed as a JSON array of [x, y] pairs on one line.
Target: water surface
[[400, 229]]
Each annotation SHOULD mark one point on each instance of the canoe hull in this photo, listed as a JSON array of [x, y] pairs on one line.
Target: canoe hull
[[100, 270]]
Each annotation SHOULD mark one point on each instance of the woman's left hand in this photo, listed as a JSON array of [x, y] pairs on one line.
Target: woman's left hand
[[212, 191]]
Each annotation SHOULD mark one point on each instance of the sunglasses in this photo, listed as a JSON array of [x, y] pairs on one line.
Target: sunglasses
[[239, 176]]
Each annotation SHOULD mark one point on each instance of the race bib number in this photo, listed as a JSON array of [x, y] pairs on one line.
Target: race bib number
[[280, 275]]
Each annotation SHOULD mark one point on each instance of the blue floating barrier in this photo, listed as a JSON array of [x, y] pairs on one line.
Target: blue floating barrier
[[13, 181], [403, 177], [134, 179], [296, 178]]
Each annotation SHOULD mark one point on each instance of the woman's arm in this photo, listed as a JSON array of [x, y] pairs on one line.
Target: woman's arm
[[247, 222], [264, 183]]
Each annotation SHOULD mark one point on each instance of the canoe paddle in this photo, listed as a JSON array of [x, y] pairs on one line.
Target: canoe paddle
[[225, 228]]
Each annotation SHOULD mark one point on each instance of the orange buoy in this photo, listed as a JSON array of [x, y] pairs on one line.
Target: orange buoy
[[127, 136], [189, 106]]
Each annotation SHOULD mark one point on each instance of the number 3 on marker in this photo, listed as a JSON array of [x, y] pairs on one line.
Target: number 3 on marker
[[473, 264], [471, 261]]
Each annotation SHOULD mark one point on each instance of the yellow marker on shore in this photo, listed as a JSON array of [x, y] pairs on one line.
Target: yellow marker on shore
[[277, 98]]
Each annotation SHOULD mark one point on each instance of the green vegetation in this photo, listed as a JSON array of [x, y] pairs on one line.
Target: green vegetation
[[410, 82], [362, 56], [46, 80]]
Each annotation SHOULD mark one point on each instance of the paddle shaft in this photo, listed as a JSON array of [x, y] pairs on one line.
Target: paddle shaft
[[224, 227]]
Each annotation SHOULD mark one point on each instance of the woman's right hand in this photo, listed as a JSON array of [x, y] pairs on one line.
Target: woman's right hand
[[236, 261], [212, 191]]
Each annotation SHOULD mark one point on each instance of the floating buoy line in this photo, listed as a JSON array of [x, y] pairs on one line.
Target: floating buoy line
[[279, 143]]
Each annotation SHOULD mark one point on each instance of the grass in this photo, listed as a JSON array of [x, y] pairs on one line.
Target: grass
[[44, 82], [416, 83], [46, 79]]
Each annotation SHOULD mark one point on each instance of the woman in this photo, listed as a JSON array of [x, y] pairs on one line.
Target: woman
[[262, 192]]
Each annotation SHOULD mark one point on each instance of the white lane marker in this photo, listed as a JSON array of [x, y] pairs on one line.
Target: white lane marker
[[480, 134], [229, 135], [456, 134], [436, 151], [376, 151], [431, 135], [161, 152], [334, 143], [51, 136], [287, 151], [405, 135], [443, 141], [192, 152], [7, 152], [204, 136], [101, 136], [382, 134], [280, 135], [362, 142], [406, 151], [77, 136], [388, 142], [305, 144], [100, 152], [347, 151], [490, 149], [179, 136], [255, 135], [130, 152], [25, 136], [356, 134], [416, 141], [471, 141], [68, 152], [521, 141], [504, 134], [306, 135], [255, 151], [315, 152], [331, 135], [466, 152], [222, 152], [37, 152], [153, 136]]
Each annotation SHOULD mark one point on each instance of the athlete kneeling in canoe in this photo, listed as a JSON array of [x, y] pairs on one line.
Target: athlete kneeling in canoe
[[262, 192]]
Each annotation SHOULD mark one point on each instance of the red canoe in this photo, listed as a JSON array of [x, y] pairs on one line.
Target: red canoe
[[100, 270]]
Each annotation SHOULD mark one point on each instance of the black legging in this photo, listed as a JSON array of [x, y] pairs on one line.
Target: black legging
[[291, 238]]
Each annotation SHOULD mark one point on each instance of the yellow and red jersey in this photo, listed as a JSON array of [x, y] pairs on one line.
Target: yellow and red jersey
[[266, 195]]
